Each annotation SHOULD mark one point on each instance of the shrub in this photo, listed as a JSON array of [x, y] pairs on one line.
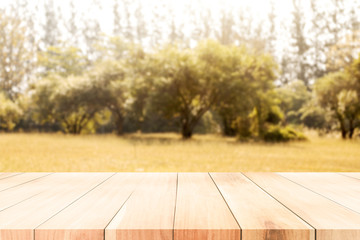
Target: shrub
[[279, 134]]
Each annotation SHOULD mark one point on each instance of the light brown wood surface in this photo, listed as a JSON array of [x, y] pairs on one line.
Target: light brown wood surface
[[19, 179], [331, 220], [29, 214], [149, 212], [93, 211], [260, 216], [353, 175], [201, 212], [179, 206], [23, 192], [6, 175], [339, 188]]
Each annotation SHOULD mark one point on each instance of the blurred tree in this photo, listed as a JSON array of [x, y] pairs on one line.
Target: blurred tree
[[16, 57], [338, 92], [191, 82], [117, 27], [74, 102], [141, 27], [342, 53], [179, 90], [293, 97], [64, 61], [317, 48], [263, 76], [10, 113], [300, 43], [315, 117], [91, 31], [241, 75], [184, 88], [113, 90], [50, 26], [272, 35], [226, 33], [158, 17], [72, 25]]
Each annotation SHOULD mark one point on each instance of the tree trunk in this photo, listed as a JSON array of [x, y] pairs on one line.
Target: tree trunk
[[186, 129], [119, 126], [227, 129], [186, 132], [343, 129], [342, 125], [351, 128], [119, 122], [261, 128]]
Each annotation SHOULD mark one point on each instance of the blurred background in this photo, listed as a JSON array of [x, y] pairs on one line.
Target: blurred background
[[120, 85]]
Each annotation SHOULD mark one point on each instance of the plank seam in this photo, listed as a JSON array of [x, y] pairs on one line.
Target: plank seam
[[12, 176], [227, 205], [21, 201], [72, 203], [281, 203], [318, 194], [26, 182], [342, 174], [176, 195], [122, 205]]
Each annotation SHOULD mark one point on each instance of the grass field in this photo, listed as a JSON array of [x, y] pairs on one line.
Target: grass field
[[167, 152]]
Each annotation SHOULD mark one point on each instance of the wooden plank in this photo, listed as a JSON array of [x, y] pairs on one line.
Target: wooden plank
[[22, 192], [201, 212], [6, 175], [352, 174], [331, 220], [18, 222], [260, 216], [92, 212], [339, 188], [149, 212], [7, 183]]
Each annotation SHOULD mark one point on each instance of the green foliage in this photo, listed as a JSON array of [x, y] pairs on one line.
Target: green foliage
[[293, 97], [280, 134], [243, 127], [10, 113], [72, 101], [230, 80], [274, 115], [113, 86], [180, 89], [16, 56], [314, 116], [339, 92], [62, 61]]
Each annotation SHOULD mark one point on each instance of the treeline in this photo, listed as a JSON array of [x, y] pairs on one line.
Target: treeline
[[83, 81]]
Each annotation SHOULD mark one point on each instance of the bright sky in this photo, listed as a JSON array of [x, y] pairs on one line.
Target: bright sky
[[257, 9]]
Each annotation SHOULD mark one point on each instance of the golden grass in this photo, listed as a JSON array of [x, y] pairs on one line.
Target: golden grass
[[167, 152]]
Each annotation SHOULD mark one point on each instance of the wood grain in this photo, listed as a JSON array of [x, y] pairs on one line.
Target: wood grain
[[88, 217], [149, 212], [16, 180], [6, 175], [339, 188], [331, 220], [149, 206], [201, 212], [353, 175], [259, 215], [18, 222], [22, 192]]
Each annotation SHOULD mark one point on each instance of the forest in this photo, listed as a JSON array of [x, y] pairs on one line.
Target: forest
[[202, 70]]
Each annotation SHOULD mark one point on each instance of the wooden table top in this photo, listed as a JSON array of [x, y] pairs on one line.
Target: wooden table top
[[179, 206]]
